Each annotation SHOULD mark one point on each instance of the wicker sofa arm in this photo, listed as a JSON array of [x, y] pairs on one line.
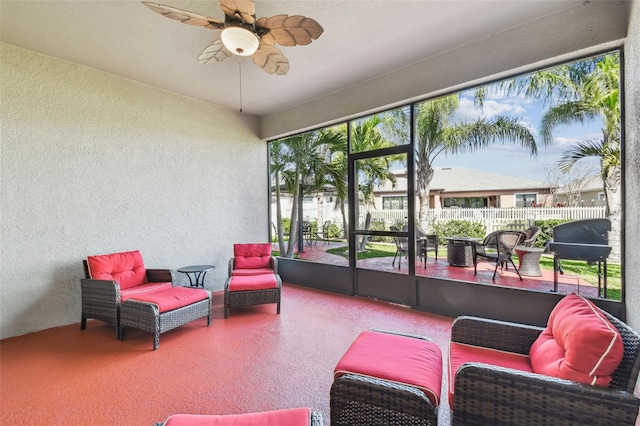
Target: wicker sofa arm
[[357, 399], [161, 275], [274, 264], [231, 267], [500, 335], [490, 395], [99, 293]]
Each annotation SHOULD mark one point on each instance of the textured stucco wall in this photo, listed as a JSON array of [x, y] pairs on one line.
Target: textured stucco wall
[[632, 167], [93, 163]]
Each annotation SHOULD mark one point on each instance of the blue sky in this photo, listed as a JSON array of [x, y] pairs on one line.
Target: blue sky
[[514, 161]]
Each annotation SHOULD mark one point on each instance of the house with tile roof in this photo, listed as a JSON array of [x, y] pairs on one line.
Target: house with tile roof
[[467, 188]]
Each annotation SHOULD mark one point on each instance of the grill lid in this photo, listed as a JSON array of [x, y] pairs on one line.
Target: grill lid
[[588, 231]]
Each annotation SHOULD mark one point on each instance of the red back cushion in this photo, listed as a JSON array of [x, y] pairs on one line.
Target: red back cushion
[[251, 256], [578, 344], [126, 268]]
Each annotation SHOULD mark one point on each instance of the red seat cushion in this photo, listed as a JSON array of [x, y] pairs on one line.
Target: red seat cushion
[[172, 298], [127, 268], [256, 271], [252, 256], [579, 344], [288, 417], [460, 353], [137, 291], [253, 282], [399, 359]]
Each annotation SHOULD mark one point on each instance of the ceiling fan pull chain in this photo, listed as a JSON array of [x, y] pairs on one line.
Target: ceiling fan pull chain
[[240, 74]]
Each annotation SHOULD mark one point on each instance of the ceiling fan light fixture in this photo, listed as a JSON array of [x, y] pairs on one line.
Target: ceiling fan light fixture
[[239, 41]]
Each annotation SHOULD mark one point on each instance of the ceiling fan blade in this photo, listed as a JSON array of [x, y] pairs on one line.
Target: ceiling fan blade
[[271, 59], [185, 17], [291, 30], [243, 10], [215, 51]]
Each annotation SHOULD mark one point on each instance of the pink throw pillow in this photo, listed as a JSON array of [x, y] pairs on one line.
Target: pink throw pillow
[[579, 344]]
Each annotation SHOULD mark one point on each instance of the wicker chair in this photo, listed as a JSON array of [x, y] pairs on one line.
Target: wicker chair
[[497, 247], [490, 395], [530, 236], [253, 277], [402, 247], [101, 299]]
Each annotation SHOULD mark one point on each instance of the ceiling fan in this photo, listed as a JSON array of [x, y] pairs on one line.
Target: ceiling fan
[[243, 35]]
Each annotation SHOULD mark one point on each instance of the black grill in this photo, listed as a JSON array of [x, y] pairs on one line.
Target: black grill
[[582, 240]]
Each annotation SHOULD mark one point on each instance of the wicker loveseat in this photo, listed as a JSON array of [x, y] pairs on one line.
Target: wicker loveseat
[[486, 393], [121, 291]]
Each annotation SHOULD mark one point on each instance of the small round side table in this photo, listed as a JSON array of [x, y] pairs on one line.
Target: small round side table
[[196, 274]]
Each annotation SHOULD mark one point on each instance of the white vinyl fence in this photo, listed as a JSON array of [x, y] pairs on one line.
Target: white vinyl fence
[[491, 218]]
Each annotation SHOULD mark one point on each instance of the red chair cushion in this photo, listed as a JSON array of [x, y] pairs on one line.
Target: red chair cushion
[[252, 256], [400, 359], [137, 291], [256, 271], [288, 417], [253, 282], [579, 344], [460, 353], [172, 298], [127, 268]]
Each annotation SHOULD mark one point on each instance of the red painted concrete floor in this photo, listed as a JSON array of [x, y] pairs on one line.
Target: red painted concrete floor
[[316, 252], [253, 361]]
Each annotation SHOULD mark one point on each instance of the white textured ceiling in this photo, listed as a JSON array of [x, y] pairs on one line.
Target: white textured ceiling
[[361, 40]]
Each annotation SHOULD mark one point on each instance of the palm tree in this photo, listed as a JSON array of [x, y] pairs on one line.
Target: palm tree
[[577, 93], [436, 133], [371, 172], [278, 164], [301, 161]]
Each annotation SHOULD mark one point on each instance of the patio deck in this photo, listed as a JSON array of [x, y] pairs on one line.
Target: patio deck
[[316, 252]]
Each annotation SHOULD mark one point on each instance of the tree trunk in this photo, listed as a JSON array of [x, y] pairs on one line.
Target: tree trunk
[[293, 230], [279, 216], [363, 241]]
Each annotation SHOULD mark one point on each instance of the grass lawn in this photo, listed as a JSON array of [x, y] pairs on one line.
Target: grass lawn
[[588, 273], [372, 250], [581, 269]]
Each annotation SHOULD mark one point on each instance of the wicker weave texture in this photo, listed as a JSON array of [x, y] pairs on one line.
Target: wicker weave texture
[[146, 316], [252, 297], [491, 395], [101, 298], [364, 401]]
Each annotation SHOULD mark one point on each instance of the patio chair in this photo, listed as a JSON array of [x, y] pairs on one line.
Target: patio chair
[[494, 380], [426, 243], [531, 234], [402, 247], [497, 247], [252, 259], [253, 277], [324, 233]]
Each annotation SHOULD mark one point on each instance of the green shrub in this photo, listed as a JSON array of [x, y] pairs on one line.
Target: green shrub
[[335, 231], [459, 228], [547, 230], [379, 225]]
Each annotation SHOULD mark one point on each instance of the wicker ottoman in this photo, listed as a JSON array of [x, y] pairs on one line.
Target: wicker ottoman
[[165, 310], [289, 417], [243, 290], [387, 379]]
